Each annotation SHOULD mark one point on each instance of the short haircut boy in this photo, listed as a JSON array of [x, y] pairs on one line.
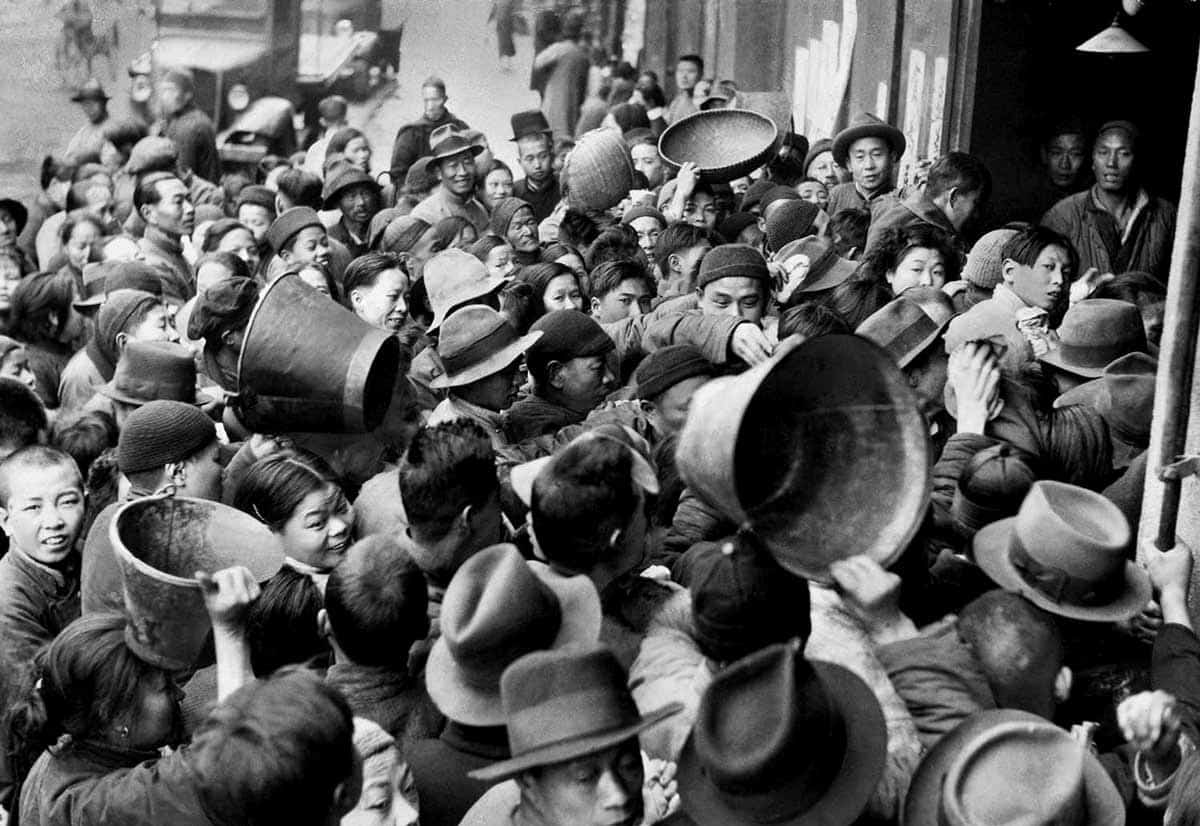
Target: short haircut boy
[[1025, 247], [677, 237], [446, 468], [611, 274]]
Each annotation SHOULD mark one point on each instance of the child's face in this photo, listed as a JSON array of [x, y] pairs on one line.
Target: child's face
[[44, 513]]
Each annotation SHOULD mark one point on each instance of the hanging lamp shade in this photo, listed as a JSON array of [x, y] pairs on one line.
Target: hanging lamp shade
[[1113, 40]]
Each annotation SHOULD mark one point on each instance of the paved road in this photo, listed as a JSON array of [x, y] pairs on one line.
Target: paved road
[[454, 41], [39, 117]]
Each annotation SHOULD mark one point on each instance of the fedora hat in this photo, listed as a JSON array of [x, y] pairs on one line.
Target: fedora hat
[[454, 278], [784, 740], [1094, 333], [342, 178], [910, 323], [866, 126], [498, 608], [795, 448], [529, 122], [149, 370], [1008, 766], [100, 279], [1066, 551], [92, 90], [451, 145], [524, 475], [1124, 396], [826, 269], [477, 341], [563, 704]]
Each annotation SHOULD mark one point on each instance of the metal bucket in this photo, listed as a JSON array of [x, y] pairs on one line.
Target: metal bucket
[[310, 365], [821, 452], [160, 543]]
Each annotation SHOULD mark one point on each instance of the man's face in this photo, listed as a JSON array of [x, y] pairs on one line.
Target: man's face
[[457, 174], [603, 789], [700, 210], [203, 479], [927, 377], [433, 103], [673, 405], [171, 99], [630, 299], [1043, 284], [359, 203], [535, 157], [174, 213], [311, 246], [648, 229], [647, 161], [814, 192], [871, 163], [94, 110], [43, 515], [1112, 160], [1063, 157], [523, 231], [256, 218], [686, 75], [736, 295], [583, 382], [824, 169]]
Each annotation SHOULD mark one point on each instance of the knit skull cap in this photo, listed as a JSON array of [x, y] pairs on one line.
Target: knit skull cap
[[732, 260], [755, 192], [789, 221], [642, 211], [984, 267], [160, 432], [403, 233], [566, 335], [991, 487], [289, 223], [667, 367], [502, 215], [153, 153], [256, 195], [777, 193], [226, 305]]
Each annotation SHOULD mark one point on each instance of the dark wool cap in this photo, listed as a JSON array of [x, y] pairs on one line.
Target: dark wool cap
[[755, 192], [732, 226], [743, 601], [285, 227], [643, 211], [258, 195], [162, 431], [778, 193], [502, 215], [566, 335], [730, 260], [790, 221], [224, 306], [665, 368]]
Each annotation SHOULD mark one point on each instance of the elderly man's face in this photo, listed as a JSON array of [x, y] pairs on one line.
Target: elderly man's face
[[602, 789], [1063, 156], [458, 174], [1112, 160], [583, 382]]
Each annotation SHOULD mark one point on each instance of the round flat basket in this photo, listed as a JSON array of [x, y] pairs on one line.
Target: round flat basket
[[724, 143]]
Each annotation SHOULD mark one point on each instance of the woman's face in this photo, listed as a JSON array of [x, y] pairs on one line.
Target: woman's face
[[241, 243], [385, 303], [10, 276], [15, 365], [8, 229], [315, 279], [523, 231], [920, 267], [358, 152], [500, 261], [318, 531], [498, 185], [562, 293]]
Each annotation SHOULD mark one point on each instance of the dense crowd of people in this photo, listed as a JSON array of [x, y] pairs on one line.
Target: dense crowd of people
[[793, 498]]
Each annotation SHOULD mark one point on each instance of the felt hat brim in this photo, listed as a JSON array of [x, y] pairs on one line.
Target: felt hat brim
[[851, 788], [576, 747], [493, 283], [494, 363], [846, 138], [475, 151], [838, 273], [472, 705], [1054, 359], [923, 804], [990, 547]]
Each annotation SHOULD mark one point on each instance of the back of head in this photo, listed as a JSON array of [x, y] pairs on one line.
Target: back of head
[[376, 603], [300, 187], [584, 495], [1018, 646], [276, 751], [22, 416], [958, 170], [810, 320], [85, 437], [616, 243], [282, 625], [446, 468], [858, 299]]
